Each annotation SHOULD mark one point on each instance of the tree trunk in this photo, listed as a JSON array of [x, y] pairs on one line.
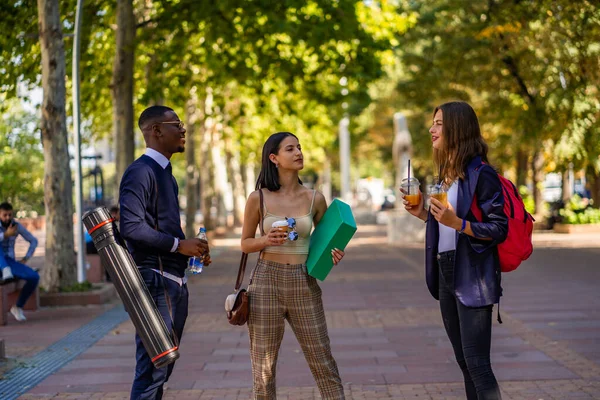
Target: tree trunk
[[234, 174], [220, 173], [566, 186], [593, 178], [207, 171], [244, 175], [250, 176], [522, 168], [122, 88], [60, 267], [192, 173], [537, 166]]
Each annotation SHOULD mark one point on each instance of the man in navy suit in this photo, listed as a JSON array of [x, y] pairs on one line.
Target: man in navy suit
[[151, 226]]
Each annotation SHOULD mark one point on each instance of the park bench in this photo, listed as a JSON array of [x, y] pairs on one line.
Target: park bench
[[9, 292]]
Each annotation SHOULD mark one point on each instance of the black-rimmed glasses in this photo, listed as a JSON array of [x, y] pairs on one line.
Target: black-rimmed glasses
[[179, 124]]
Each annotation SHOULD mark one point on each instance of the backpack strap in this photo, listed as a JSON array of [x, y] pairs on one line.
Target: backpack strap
[[499, 318]]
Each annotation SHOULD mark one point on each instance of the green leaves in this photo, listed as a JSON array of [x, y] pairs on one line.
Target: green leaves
[[21, 159], [525, 66]]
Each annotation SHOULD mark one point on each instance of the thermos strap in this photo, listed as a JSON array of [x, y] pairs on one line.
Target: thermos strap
[[162, 274], [244, 259]]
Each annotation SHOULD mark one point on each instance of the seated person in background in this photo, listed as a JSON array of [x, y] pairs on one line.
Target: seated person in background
[[11, 268]]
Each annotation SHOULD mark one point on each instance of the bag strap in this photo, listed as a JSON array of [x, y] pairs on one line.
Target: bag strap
[[162, 273], [241, 271], [244, 259]]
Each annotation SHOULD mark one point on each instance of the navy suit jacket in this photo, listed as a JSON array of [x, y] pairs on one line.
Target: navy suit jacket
[[477, 268]]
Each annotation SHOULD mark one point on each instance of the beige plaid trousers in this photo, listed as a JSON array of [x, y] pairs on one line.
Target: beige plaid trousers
[[285, 291]]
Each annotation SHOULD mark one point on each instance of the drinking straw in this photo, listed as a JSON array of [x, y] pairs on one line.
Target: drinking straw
[[409, 176]]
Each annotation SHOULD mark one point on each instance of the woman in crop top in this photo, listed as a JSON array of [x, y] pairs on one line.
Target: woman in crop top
[[280, 288]]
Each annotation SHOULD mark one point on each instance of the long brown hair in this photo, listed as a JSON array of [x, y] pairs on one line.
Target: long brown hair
[[269, 176], [462, 140]]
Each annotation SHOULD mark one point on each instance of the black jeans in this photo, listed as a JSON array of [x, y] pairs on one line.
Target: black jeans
[[470, 332]]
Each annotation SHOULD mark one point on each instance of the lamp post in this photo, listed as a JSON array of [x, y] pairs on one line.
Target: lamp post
[[344, 137], [77, 142]]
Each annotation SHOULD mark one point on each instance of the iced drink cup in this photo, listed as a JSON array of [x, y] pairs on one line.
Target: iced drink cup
[[410, 188], [439, 193]]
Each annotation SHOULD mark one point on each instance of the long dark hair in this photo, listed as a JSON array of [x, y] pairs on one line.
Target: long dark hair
[[462, 140], [269, 176]]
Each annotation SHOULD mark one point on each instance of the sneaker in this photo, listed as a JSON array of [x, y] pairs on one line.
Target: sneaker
[[18, 313], [6, 273]]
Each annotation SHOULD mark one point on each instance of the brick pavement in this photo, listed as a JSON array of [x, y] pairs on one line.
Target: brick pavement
[[386, 334]]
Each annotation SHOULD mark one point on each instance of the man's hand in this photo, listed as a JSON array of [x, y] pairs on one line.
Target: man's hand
[[206, 259], [193, 247], [11, 231]]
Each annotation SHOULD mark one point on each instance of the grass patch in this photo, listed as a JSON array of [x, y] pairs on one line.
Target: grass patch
[[84, 286]]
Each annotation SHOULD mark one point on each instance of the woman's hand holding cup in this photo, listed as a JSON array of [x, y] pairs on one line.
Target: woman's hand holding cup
[[412, 198], [278, 233], [410, 206]]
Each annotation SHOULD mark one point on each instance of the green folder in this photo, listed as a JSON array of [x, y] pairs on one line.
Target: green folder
[[335, 230]]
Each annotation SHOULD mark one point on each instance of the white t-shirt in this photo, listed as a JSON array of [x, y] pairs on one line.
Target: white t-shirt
[[447, 239]]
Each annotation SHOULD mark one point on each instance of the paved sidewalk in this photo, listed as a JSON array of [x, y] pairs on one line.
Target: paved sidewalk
[[385, 329]]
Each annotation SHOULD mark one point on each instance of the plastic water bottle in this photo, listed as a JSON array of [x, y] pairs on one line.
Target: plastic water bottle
[[195, 264]]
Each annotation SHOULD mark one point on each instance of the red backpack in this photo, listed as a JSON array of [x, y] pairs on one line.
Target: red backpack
[[518, 246]]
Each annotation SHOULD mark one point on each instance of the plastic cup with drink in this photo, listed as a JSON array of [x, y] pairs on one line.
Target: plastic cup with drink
[[410, 188], [439, 193]]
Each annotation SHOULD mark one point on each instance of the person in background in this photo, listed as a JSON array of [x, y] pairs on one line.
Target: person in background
[[11, 268]]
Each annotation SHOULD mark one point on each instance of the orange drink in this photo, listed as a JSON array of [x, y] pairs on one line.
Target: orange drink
[[441, 197], [439, 193], [410, 191], [413, 199]]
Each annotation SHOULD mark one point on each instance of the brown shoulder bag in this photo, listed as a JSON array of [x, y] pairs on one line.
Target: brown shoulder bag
[[237, 305]]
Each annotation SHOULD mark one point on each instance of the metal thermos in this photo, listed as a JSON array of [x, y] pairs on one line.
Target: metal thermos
[[125, 276]]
